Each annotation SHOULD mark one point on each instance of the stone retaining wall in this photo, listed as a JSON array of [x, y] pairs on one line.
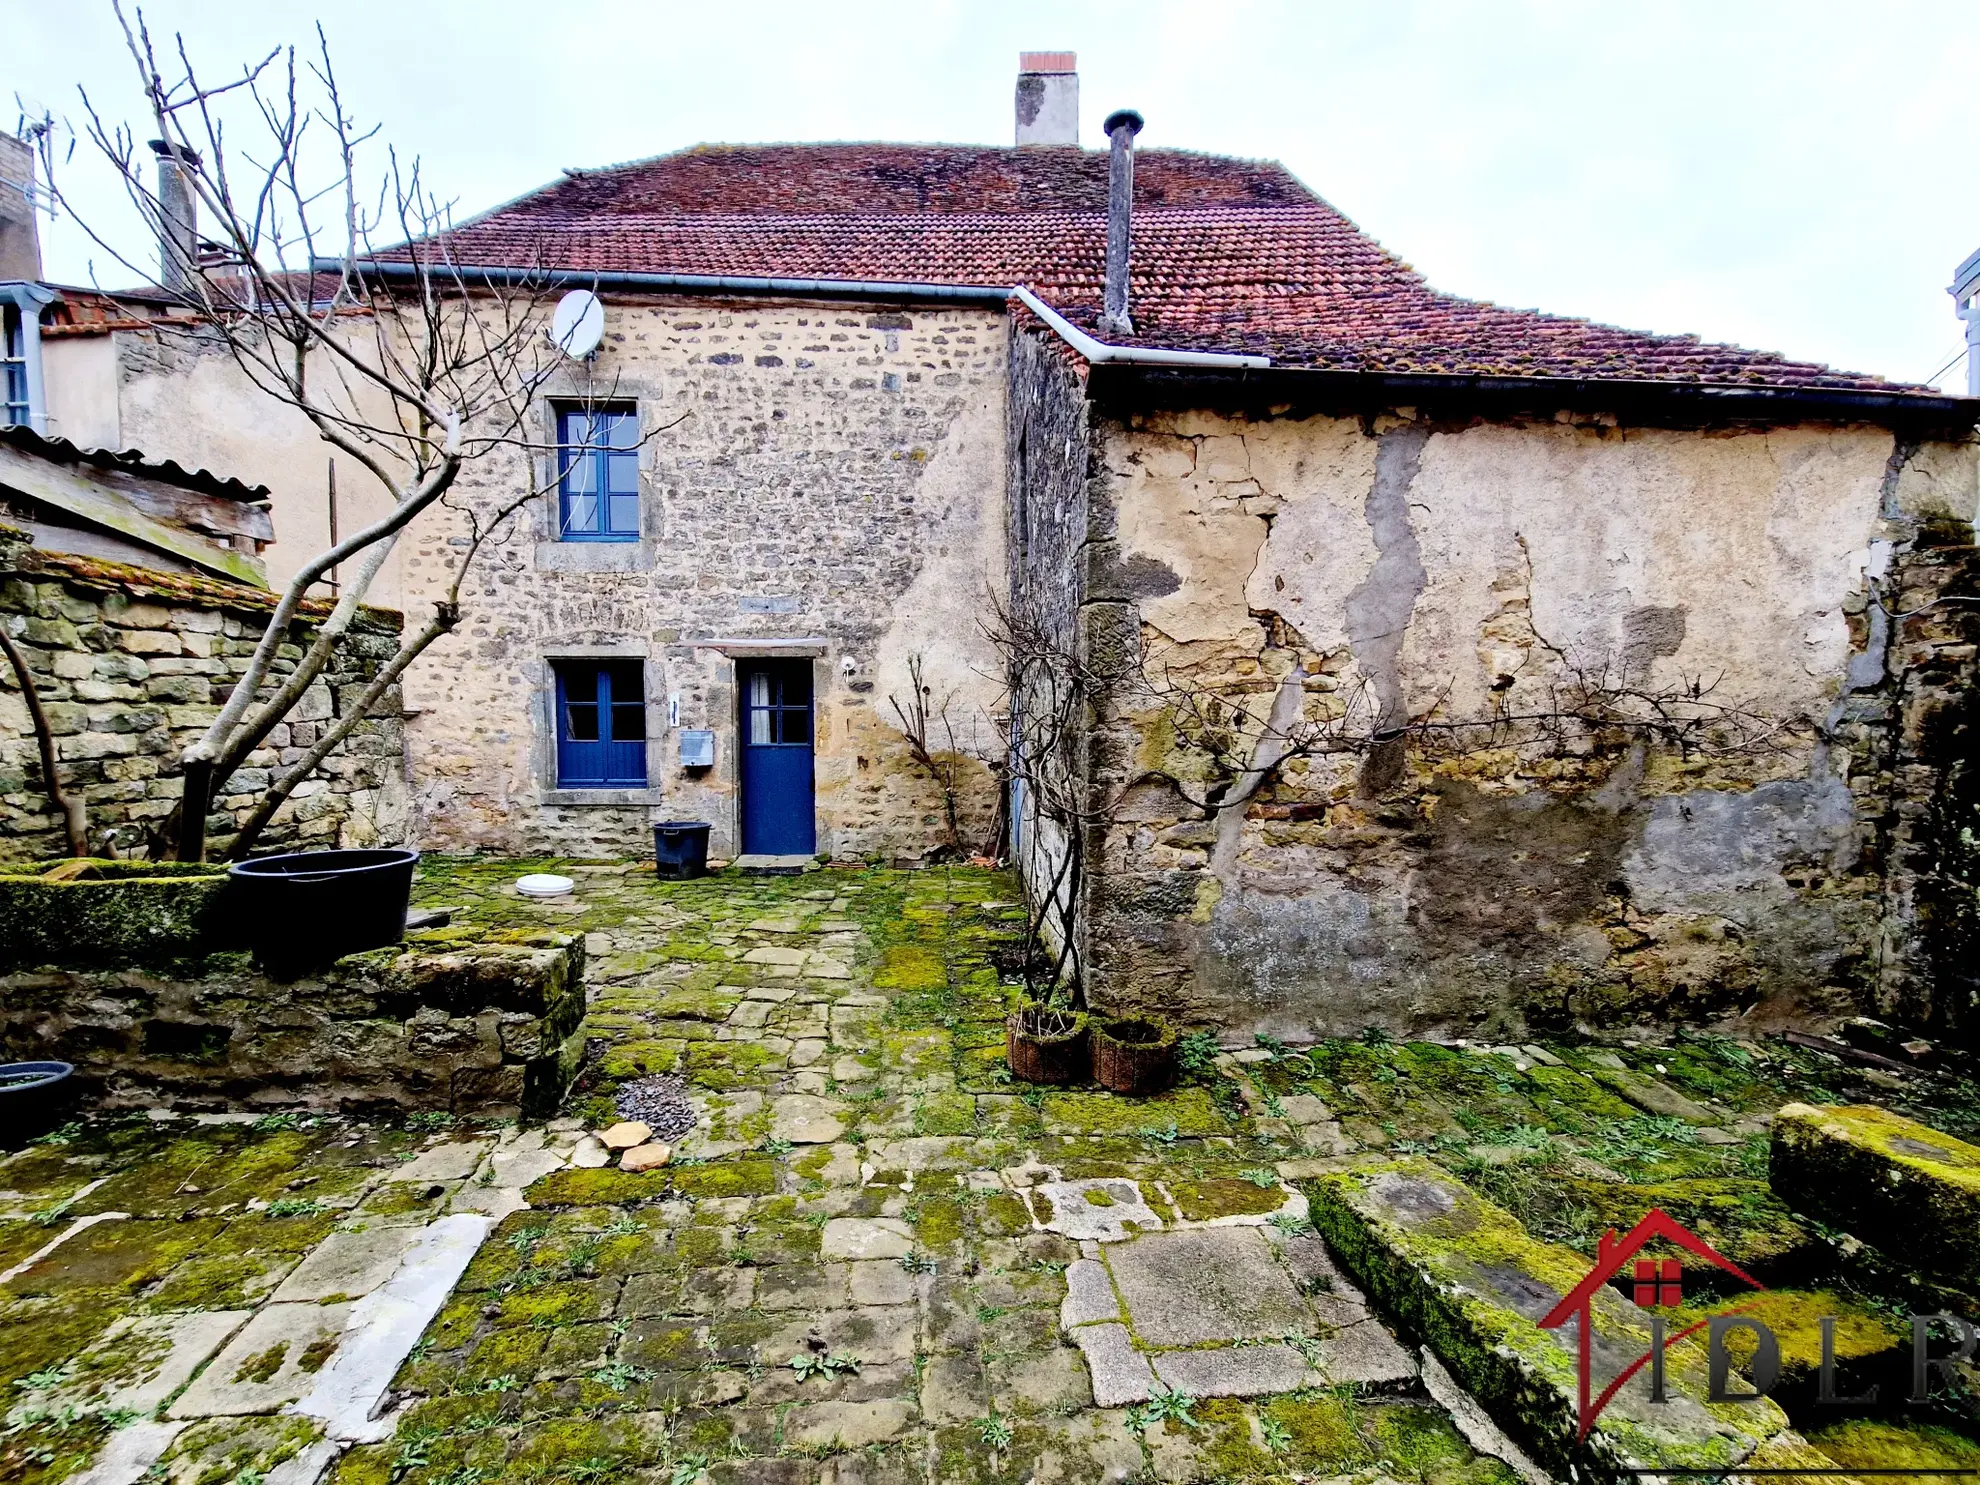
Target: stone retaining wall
[[483, 1028], [131, 664]]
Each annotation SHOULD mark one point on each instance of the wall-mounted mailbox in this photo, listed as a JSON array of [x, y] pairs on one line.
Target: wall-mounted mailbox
[[697, 749]]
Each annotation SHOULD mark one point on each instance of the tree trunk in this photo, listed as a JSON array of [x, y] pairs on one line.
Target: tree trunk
[[72, 810], [193, 802]]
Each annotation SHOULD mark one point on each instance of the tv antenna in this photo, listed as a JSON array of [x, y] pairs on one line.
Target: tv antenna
[[50, 138]]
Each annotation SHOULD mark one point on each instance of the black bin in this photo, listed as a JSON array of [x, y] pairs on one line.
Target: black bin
[[680, 849], [34, 1098], [302, 911]]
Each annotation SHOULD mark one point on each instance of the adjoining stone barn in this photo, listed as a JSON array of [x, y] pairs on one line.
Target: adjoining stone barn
[[854, 401]]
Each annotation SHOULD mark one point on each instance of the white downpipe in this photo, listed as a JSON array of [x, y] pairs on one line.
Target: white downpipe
[[1096, 350]]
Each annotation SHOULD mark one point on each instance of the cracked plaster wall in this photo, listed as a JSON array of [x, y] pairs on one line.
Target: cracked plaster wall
[[1413, 566]]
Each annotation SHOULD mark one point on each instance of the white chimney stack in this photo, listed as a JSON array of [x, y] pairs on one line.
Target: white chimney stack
[[1047, 98]]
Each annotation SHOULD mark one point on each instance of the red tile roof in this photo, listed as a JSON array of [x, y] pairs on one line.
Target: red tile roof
[[1229, 255]]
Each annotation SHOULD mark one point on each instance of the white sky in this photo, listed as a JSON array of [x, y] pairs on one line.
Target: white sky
[[1796, 175]]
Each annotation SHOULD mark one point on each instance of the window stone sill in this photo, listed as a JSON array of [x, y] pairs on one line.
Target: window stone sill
[[599, 798], [594, 556]]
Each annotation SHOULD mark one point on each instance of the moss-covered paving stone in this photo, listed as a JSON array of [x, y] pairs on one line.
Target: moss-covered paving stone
[[646, 1325], [1897, 1184], [1463, 1271]]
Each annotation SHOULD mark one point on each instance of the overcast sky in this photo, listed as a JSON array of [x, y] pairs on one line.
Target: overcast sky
[[1795, 176]]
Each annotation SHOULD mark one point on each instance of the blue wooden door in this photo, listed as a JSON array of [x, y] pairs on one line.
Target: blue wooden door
[[776, 758]]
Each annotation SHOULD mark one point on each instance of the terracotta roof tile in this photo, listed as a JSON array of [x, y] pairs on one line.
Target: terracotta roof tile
[[1232, 255]]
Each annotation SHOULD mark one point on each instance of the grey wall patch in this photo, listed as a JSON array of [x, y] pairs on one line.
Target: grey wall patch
[[1378, 610], [1647, 633], [1145, 577]]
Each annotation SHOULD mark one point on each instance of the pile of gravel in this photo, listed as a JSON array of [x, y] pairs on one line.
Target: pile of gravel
[[660, 1102]]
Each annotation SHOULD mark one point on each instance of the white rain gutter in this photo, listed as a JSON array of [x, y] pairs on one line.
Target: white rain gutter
[[1097, 351]]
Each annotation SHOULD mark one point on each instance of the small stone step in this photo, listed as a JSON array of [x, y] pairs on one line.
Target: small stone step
[[1465, 1275], [773, 866], [1898, 1185]]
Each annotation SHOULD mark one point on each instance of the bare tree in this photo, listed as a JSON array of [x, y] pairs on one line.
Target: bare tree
[[1243, 735], [345, 302], [1055, 692], [918, 719]]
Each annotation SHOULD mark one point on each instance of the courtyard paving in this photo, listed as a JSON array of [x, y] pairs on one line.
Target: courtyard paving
[[872, 1260]]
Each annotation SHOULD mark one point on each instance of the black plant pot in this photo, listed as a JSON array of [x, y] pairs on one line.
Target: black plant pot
[[34, 1098], [303, 911]]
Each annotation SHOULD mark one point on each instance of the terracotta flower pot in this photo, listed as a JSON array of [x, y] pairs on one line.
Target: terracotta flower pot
[[1134, 1054], [1047, 1046]]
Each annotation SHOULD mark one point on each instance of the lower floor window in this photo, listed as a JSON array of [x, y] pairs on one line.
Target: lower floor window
[[601, 724]]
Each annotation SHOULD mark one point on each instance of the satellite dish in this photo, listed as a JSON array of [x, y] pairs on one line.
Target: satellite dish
[[577, 323]]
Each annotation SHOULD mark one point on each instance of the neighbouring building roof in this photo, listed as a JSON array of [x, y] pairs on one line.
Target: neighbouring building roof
[[96, 503], [133, 462], [1229, 255]]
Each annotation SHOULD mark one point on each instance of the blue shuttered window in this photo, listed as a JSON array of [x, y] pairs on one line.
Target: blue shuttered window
[[13, 368], [601, 724], [598, 474]]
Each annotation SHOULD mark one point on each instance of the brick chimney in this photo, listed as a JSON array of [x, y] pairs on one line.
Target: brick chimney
[[1047, 98], [20, 235]]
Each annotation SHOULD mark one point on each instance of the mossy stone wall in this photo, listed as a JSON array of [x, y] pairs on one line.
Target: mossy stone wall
[[131, 665], [485, 1026]]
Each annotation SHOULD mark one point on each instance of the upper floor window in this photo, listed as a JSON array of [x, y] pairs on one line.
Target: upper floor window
[[601, 724], [13, 368], [598, 473]]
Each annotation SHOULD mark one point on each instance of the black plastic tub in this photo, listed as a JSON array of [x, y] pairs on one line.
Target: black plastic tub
[[680, 849], [302, 911], [34, 1098]]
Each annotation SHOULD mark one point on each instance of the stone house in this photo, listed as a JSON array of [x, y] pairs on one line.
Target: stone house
[[851, 398]]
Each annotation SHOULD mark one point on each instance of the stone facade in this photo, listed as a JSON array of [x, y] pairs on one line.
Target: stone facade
[[1385, 567], [469, 1027], [820, 483], [853, 486], [131, 664], [1915, 722]]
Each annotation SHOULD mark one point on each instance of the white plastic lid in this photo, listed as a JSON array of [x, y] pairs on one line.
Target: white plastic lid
[[544, 884]]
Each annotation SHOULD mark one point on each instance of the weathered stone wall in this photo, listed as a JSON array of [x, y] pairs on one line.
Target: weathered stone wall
[[480, 1028], [131, 665], [824, 482], [1916, 721], [1367, 572], [1049, 543]]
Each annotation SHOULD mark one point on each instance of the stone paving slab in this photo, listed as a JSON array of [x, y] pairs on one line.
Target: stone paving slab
[[1892, 1182], [348, 1265], [1206, 1284], [271, 1362], [1454, 1265], [172, 1347], [618, 1326]]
